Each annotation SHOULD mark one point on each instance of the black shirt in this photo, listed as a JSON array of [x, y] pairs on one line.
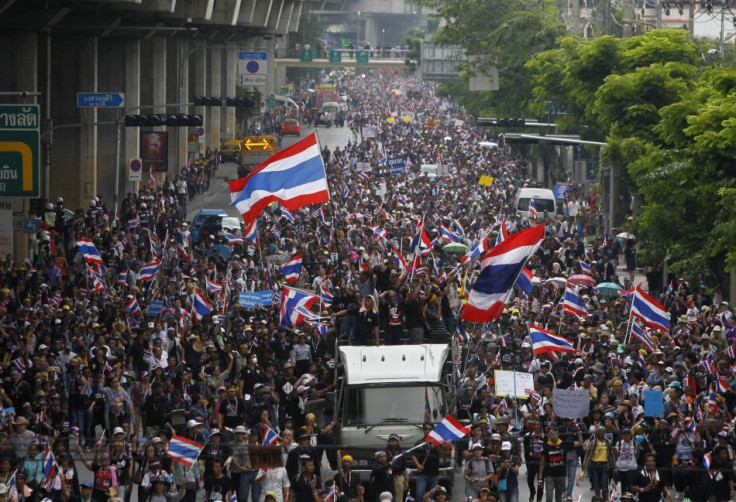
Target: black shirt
[[302, 487], [644, 479], [217, 489], [365, 325], [554, 459]]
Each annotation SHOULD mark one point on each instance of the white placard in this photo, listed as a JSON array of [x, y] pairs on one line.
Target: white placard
[[570, 403], [504, 383]]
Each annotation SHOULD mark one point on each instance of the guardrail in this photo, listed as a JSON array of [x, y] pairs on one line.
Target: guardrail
[[376, 53]]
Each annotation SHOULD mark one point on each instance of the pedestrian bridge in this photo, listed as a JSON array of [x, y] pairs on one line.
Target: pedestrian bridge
[[348, 58]]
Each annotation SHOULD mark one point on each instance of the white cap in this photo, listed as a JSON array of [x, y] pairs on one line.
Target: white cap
[[42, 346], [506, 446], [118, 430], [191, 424], [385, 496]]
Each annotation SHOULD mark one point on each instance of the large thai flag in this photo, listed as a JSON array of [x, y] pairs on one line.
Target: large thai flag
[[89, 251], [448, 235], [149, 270], [183, 450], [201, 306], [292, 268], [133, 306], [526, 280], [650, 311], [251, 233], [295, 177], [544, 341], [637, 331], [292, 300], [500, 269], [572, 304], [447, 430]]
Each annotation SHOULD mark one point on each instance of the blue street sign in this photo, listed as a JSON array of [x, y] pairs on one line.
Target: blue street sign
[[253, 55], [100, 99], [31, 226], [251, 299]]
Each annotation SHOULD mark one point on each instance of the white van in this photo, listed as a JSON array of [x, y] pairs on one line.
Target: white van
[[544, 202], [488, 144], [429, 170]]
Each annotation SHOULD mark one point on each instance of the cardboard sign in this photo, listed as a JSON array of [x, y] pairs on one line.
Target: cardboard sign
[[486, 181], [505, 385], [369, 132], [265, 457], [570, 403]]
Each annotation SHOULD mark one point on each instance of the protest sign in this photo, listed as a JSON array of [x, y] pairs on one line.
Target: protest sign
[[504, 383], [570, 403]]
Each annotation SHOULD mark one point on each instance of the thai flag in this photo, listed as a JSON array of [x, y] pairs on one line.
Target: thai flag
[[345, 171], [151, 179], [446, 431], [153, 241], [460, 228], [480, 160], [420, 245], [708, 365], [232, 238], [403, 198], [526, 280], [133, 306], [285, 214], [448, 235], [292, 299], [712, 403], [295, 177], [707, 459], [212, 286], [477, 250], [585, 267], [534, 395], [378, 232], [690, 424], [325, 295], [322, 328], [345, 192], [731, 352], [201, 306], [251, 232], [572, 304], [270, 438], [637, 331], [74, 430], [500, 269], [292, 269], [19, 364], [399, 259], [40, 417], [650, 311], [383, 160], [319, 213], [180, 247], [49, 469], [98, 283], [628, 295], [134, 222], [183, 450], [87, 249], [331, 495], [363, 176], [721, 384], [122, 277], [544, 341], [533, 209], [462, 334], [640, 422], [149, 270]]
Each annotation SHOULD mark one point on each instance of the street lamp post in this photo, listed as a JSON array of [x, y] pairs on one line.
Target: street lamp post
[[357, 32]]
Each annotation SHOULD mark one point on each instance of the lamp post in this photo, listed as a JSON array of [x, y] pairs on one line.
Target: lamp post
[[357, 32]]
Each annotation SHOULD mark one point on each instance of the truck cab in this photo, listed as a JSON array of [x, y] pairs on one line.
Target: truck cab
[[207, 222], [393, 390]]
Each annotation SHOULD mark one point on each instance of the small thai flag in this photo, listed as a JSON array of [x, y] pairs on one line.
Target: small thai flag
[[232, 238], [345, 192], [690, 425], [270, 438], [122, 277], [345, 171], [331, 495], [731, 352], [40, 417], [212, 286], [285, 214], [585, 267], [74, 430], [721, 384], [19, 364], [134, 222], [640, 422], [133, 306], [363, 175]]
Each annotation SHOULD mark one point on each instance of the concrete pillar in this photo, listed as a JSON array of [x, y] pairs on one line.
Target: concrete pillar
[[182, 96], [87, 79], [212, 125], [231, 56], [131, 146], [371, 31], [199, 83], [158, 91]]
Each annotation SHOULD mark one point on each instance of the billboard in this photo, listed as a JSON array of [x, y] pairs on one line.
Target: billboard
[[155, 151]]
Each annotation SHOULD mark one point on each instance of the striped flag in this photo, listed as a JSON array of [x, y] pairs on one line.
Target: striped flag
[[544, 341], [448, 430], [183, 450], [149, 270], [212, 286], [270, 438]]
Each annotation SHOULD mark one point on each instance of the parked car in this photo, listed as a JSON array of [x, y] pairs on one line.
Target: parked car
[[291, 126], [207, 222]]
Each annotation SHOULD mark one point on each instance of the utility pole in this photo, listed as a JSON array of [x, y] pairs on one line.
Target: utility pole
[[607, 18]]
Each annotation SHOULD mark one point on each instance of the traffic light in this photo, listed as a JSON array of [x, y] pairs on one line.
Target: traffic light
[[207, 101], [170, 120], [501, 122], [240, 102]]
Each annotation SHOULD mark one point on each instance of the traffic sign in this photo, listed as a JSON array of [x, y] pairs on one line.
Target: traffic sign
[[135, 167], [252, 145], [20, 173], [31, 226], [100, 99], [335, 56], [362, 56], [307, 55], [346, 42], [253, 68]]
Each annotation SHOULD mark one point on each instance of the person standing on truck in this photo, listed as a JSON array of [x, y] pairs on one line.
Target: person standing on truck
[[367, 323]]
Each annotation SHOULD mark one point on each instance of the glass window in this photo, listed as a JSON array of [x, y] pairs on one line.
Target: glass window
[[380, 405]]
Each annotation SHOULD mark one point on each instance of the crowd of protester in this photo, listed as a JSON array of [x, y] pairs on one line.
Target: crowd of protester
[[105, 360]]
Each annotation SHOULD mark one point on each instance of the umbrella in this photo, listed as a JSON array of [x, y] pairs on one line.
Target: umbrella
[[560, 281], [608, 289], [455, 247], [625, 236], [396, 92], [582, 280]]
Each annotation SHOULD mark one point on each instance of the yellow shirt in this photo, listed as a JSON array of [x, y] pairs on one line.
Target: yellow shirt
[[600, 454]]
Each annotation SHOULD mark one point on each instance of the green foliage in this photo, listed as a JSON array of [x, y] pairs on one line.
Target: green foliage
[[413, 41]]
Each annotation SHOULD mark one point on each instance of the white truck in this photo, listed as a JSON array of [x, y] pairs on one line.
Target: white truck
[[393, 390]]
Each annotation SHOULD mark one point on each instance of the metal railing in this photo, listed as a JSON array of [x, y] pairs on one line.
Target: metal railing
[[374, 53]]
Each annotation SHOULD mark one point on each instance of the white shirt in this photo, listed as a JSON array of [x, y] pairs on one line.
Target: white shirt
[[573, 207], [276, 480]]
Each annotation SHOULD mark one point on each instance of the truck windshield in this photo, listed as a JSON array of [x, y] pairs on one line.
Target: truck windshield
[[540, 205], [379, 405]]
